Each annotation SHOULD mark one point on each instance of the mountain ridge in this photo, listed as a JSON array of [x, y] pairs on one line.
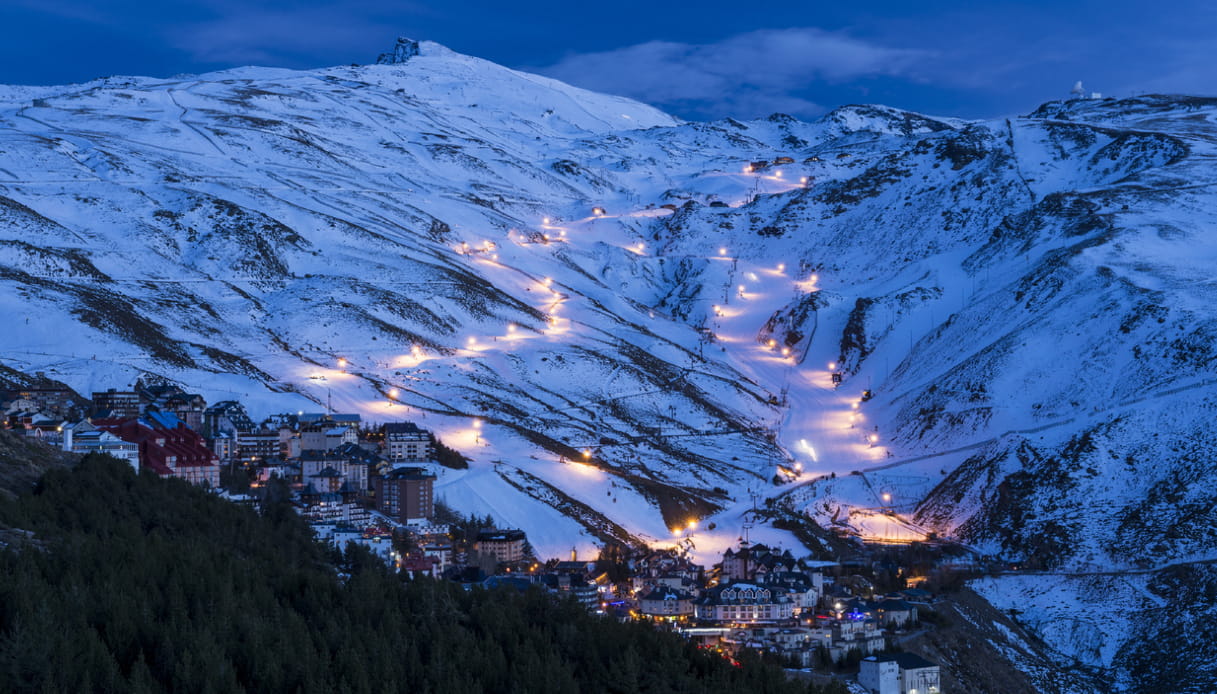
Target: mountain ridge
[[1019, 308]]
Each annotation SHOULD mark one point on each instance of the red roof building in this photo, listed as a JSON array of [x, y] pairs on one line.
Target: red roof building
[[419, 565], [167, 447]]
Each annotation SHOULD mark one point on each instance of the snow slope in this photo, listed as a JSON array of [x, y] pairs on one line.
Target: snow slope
[[1028, 301]]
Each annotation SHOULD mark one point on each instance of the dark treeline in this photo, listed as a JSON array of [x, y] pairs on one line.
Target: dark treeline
[[132, 583]]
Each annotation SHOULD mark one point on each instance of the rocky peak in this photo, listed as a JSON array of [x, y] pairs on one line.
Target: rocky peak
[[402, 51]]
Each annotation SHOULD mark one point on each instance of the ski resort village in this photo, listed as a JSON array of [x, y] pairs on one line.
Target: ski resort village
[[376, 483], [905, 403]]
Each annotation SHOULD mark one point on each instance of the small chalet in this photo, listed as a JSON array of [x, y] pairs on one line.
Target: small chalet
[[420, 565], [663, 603]]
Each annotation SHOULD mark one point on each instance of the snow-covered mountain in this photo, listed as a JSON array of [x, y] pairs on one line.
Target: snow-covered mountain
[[1027, 303]]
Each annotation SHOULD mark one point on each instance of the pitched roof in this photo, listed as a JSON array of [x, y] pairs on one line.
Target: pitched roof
[[665, 593], [403, 428], [163, 420], [889, 604], [418, 473], [520, 584], [906, 661], [498, 535]]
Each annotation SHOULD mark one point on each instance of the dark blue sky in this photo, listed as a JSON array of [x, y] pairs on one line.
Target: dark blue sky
[[697, 60]]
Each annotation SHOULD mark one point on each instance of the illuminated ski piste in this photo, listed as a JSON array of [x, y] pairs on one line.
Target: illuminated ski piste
[[823, 429]]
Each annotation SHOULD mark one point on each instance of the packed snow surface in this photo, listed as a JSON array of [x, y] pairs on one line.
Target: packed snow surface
[[631, 324]]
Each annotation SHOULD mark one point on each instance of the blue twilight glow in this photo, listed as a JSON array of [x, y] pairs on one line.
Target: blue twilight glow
[[703, 60]]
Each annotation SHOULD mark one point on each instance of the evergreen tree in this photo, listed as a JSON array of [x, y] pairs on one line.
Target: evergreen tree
[[134, 583]]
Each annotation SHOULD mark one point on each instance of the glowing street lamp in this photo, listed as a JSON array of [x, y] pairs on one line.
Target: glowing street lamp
[[393, 393], [342, 363]]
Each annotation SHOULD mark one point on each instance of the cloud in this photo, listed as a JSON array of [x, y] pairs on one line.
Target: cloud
[[750, 74], [252, 35]]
